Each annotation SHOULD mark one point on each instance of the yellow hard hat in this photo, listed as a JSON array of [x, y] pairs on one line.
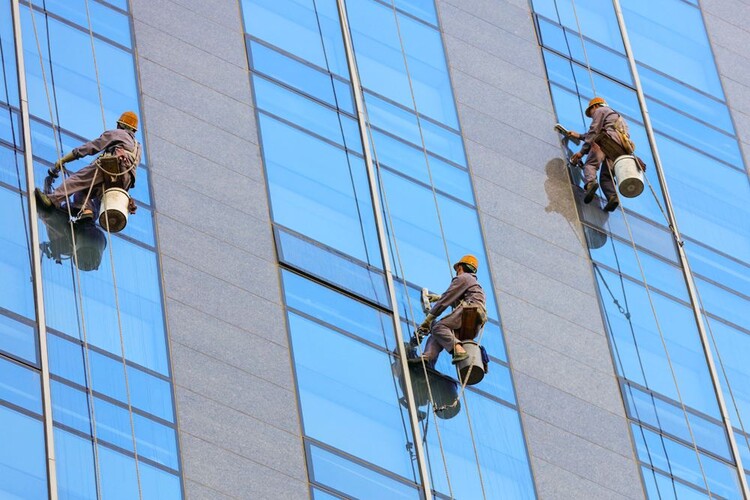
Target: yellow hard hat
[[129, 119], [596, 101], [470, 261]]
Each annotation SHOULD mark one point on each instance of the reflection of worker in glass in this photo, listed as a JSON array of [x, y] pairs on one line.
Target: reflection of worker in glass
[[85, 186], [463, 293], [603, 120]]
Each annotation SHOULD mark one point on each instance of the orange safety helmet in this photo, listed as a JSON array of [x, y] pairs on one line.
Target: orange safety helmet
[[468, 260], [596, 101], [129, 119]]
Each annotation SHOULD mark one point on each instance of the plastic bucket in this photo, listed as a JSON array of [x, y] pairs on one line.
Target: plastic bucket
[[629, 176], [471, 370], [114, 210]]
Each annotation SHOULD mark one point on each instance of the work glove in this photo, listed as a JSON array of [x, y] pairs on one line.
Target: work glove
[[576, 158], [62, 161], [425, 326], [433, 297]]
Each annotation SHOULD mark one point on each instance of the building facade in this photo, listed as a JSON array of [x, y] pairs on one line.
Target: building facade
[[309, 166]]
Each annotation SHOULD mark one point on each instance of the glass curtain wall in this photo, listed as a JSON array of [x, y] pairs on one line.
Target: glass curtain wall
[[111, 390], [356, 427], [676, 425]]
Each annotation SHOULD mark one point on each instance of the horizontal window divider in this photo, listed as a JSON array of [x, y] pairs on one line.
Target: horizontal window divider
[[114, 401], [297, 91], [408, 14], [427, 186], [490, 396], [113, 7], [99, 350], [42, 11], [410, 110], [418, 147], [676, 479], [116, 448], [357, 460], [21, 409], [13, 358]]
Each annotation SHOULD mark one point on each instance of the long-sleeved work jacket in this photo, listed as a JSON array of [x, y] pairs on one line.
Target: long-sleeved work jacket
[[120, 142], [605, 119], [464, 287]]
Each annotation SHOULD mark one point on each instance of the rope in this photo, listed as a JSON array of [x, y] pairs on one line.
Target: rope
[[79, 290], [570, 53], [112, 267], [583, 45]]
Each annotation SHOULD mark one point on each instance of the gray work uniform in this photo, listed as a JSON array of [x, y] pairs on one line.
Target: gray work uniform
[[602, 119], [464, 289], [77, 185]]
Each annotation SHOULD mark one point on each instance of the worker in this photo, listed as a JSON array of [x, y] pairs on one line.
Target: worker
[[603, 119], [464, 291], [86, 186]]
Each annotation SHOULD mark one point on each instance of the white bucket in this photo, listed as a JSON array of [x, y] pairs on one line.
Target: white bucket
[[114, 210], [629, 176]]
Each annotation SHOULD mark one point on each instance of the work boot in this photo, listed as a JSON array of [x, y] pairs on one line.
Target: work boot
[[590, 190], [612, 203], [42, 199], [459, 356]]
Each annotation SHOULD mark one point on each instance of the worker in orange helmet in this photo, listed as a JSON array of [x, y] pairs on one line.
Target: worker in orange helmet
[[86, 185], [463, 291], [603, 119]]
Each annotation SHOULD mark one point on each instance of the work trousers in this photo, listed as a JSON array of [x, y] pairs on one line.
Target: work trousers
[[442, 336], [596, 159], [77, 186]]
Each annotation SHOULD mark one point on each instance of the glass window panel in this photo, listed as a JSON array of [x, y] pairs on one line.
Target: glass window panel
[[150, 393], [15, 294], [76, 78], [22, 457], [319, 190], [20, 386], [301, 76], [597, 18], [410, 161], [620, 256], [8, 69], [719, 268], [709, 198], [118, 475], [158, 484], [113, 424], [70, 407], [654, 238], [669, 36], [498, 383], [307, 113], [140, 227], [155, 441], [11, 164], [332, 267], [66, 359], [76, 478], [104, 21], [724, 304], [18, 339], [424, 9], [681, 460], [670, 419], [730, 355], [660, 486], [638, 345], [413, 220], [349, 397], [684, 98], [318, 494], [292, 26], [338, 310], [354, 480], [381, 61]]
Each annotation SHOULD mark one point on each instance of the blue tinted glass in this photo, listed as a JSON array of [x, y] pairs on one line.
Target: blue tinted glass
[[348, 396], [670, 418], [75, 77], [424, 9], [497, 382], [667, 454], [709, 198], [382, 64], [409, 160], [660, 486], [20, 386], [11, 163], [22, 458], [333, 205], [150, 393], [301, 76], [113, 424], [685, 99], [639, 343], [156, 441], [318, 494], [596, 18], [724, 304], [338, 310], [719, 268], [731, 359], [353, 479], [70, 407], [76, 478], [141, 226], [118, 475], [669, 36], [18, 339], [8, 69], [158, 484], [292, 26], [104, 21], [413, 220], [332, 267], [15, 294], [307, 113]]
